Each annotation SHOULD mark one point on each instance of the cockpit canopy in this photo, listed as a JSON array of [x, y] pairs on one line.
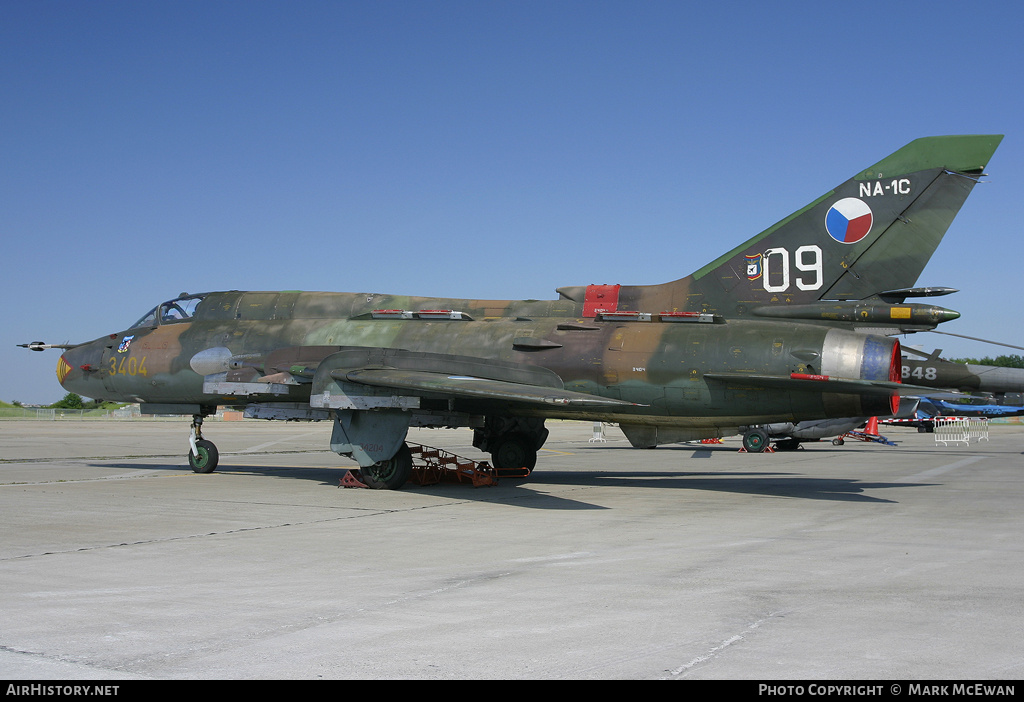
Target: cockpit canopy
[[180, 309]]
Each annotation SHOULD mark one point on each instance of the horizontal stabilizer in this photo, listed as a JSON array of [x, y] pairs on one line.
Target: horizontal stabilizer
[[797, 382]]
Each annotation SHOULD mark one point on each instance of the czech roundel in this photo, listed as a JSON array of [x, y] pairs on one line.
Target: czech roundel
[[849, 220]]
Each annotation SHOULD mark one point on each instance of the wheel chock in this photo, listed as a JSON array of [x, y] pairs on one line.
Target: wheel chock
[[431, 466], [767, 449], [351, 479]]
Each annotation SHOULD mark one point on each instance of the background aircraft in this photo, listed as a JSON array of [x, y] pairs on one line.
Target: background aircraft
[[786, 327], [930, 370]]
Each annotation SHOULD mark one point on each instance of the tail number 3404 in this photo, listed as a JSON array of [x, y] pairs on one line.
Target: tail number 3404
[[121, 365]]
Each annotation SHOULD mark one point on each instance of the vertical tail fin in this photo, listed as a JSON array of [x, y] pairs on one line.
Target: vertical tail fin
[[873, 233]]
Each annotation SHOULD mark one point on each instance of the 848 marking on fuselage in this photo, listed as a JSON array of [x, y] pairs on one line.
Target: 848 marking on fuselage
[[920, 373]]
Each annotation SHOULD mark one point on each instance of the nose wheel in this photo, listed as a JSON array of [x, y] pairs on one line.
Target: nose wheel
[[202, 456]]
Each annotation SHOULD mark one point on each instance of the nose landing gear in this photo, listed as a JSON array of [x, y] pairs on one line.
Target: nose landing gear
[[202, 455]]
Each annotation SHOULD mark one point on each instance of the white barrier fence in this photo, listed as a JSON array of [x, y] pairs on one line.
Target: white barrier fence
[[50, 413], [960, 430]]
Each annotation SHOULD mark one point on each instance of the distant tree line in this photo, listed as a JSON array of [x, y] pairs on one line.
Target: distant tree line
[[75, 401], [1006, 361], [69, 401]]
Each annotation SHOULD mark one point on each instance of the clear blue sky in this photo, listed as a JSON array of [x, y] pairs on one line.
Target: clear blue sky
[[485, 149]]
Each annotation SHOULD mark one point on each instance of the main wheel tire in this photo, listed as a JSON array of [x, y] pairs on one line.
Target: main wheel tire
[[206, 461], [514, 452], [390, 474], [755, 441]]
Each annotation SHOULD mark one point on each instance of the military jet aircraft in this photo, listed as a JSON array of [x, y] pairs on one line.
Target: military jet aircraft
[[788, 326], [931, 370], [933, 407]]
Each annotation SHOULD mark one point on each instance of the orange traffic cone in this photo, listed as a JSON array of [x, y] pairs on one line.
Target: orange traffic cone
[[872, 428]]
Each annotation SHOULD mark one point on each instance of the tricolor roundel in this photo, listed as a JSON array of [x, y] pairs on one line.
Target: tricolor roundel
[[849, 220]]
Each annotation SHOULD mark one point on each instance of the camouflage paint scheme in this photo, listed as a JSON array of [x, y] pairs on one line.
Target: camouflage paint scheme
[[789, 326]]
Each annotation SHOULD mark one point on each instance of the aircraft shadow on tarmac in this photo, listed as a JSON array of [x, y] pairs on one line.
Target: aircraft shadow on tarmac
[[766, 484], [530, 492]]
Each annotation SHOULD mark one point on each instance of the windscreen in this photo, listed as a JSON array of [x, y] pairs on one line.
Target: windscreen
[[180, 309]]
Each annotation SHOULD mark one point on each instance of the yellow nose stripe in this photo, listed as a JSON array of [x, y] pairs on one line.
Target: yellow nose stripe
[[62, 370]]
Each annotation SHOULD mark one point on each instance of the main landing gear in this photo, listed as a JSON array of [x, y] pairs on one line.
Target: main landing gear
[[513, 442], [390, 474], [514, 451], [755, 440], [202, 455]]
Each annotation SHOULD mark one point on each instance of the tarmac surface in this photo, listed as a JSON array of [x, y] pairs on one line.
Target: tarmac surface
[[690, 561]]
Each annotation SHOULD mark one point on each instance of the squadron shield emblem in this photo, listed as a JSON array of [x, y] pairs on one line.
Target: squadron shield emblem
[[753, 266]]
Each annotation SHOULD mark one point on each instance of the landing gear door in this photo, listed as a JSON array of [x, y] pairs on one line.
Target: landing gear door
[[110, 361], [369, 436]]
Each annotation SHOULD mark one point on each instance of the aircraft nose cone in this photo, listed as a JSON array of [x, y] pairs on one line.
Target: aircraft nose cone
[[63, 368], [78, 370]]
